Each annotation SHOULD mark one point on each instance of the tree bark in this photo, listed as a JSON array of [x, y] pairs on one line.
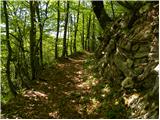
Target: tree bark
[[88, 33], [82, 31], [56, 42], [133, 9], [33, 39], [93, 35], [65, 32], [76, 29], [100, 13], [41, 32], [71, 34], [11, 86], [41, 26]]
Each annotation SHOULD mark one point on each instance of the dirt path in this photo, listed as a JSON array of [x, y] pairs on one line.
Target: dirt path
[[63, 91]]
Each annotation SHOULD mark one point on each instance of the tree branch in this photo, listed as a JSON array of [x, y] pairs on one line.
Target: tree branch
[[100, 13]]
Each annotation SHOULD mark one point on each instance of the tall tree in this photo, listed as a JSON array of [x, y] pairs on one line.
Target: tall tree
[[76, 29], [88, 32], [65, 32], [100, 13], [33, 38], [58, 20], [93, 42], [41, 26], [71, 30], [82, 37], [19, 33], [68, 41], [8, 72]]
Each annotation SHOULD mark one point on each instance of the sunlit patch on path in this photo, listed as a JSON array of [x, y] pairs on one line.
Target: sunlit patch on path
[[62, 91]]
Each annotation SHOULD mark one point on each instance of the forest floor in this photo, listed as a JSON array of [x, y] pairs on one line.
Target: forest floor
[[68, 89]]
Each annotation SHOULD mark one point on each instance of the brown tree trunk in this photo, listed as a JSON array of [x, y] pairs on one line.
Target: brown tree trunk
[[83, 31], [11, 86], [65, 32], [33, 39], [56, 42], [93, 36], [41, 32], [88, 33], [71, 34], [101, 14], [76, 29]]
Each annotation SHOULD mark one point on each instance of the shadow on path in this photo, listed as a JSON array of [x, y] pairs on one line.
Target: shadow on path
[[66, 90], [57, 93]]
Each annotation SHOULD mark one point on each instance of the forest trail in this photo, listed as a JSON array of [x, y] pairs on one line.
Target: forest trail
[[62, 91]]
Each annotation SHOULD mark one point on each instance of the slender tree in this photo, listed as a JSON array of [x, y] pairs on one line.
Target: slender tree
[[93, 43], [68, 41], [76, 29], [71, 30], [33, 39], [65, 32], [88, 33], [82, 37], [40, 31], [8, 72], [41, 26], [58, 20]]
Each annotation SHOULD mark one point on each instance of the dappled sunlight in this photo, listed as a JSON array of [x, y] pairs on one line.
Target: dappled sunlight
[[130, 99], [61, 65], [68, 91], [93, 105], [54, 114], [35, 95], [106, 89], [84, 86], [79, 72]]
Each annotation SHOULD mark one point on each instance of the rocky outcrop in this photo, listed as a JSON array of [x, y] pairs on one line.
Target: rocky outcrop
[[127, 58]]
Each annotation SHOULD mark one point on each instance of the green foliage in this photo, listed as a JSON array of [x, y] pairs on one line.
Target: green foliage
[[20, 26]]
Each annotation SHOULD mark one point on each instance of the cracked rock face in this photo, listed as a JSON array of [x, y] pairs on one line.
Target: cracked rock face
[[131, 55]]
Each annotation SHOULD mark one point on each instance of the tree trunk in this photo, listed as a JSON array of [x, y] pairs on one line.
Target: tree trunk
[[65, 32], [33, 39], [76, 29], [11, 86], [93, 35], [112, 10], [71, 34], [88, 33], [58, 19], [101, 14], [41, 33], [83, 31], [68, 41]]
